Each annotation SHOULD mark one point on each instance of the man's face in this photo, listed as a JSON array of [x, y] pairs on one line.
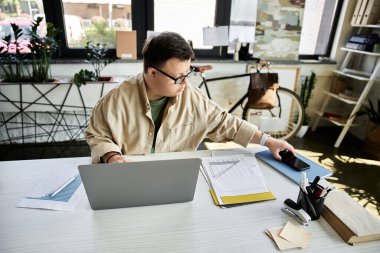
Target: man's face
[[158, 82]]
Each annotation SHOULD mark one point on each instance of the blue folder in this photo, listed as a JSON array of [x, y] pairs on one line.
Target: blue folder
[[315, 169]]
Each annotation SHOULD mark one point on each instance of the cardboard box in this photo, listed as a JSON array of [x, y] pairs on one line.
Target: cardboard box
[[126, 45]]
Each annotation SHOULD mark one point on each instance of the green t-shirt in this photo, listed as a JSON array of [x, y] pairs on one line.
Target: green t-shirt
[[157, 110]]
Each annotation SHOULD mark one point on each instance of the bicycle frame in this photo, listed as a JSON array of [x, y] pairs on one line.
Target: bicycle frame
[[205, 81], [283, 134]]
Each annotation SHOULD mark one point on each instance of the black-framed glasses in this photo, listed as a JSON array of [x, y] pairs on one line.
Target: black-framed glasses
[[177, 80]]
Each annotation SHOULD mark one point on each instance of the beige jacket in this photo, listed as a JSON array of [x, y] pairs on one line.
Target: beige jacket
[[121, 121]]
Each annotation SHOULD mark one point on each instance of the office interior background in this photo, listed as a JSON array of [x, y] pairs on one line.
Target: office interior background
[[297, 37]]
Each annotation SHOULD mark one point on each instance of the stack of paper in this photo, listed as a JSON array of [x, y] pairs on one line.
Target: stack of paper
[[61, 190], [289, 236], [235, 180]]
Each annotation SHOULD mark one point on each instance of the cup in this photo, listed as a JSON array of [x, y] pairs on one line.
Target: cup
[[311, 205]]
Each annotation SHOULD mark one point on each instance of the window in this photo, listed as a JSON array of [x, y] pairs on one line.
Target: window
[[319, 24], [22, 14], [188, 17], [178, 16], [95, 21], [243, 13], [288, 30]]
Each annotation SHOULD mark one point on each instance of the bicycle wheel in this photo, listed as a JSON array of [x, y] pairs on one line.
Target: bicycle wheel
[[281, 122]]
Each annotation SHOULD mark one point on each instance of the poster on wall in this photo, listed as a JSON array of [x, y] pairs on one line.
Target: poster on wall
[[278, 29]]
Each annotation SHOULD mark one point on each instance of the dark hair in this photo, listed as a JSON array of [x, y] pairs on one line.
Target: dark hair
[[158, 49]]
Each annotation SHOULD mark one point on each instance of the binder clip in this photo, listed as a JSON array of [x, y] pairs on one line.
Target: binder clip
[[294, 210]]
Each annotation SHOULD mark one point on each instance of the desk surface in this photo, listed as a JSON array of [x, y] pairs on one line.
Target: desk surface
[[197, 226]]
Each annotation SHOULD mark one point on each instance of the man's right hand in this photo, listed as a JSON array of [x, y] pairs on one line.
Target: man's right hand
[[114, 157]]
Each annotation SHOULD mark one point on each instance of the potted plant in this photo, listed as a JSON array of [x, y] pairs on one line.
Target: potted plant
[[373, 129], [42, 49], [97, 56], [11, 58], [307, 86], [17, 65], [372, 143]]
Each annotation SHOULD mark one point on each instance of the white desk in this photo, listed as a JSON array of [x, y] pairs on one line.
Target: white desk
[[197, 226]]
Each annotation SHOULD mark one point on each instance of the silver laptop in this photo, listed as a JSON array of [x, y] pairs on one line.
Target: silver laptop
[[140, 183]]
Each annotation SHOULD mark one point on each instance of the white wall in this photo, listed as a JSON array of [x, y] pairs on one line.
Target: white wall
[[227, 92]]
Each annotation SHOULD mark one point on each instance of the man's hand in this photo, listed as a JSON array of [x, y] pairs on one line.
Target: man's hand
[[275, 146], [118, 159], [114, 157]]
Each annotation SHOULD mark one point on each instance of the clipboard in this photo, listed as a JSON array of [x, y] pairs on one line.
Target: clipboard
[[218, 172]]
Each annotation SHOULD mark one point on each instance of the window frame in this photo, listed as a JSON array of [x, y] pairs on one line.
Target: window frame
[[54, 14], [145, 21], [337, 13], [141, 23]]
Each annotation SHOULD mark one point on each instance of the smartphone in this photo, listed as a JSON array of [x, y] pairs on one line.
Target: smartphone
[[288, 158]]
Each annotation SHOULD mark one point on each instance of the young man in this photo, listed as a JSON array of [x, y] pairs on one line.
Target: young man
[[159, 111]]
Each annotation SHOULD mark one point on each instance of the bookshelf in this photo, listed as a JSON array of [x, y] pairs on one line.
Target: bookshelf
[[368, 78]]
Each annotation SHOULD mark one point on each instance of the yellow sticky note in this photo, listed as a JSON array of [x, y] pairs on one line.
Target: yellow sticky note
[[296, 235], [281, 243]]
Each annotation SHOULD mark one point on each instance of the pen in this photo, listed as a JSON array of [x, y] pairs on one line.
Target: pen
[[309, 192], [63, 186], [328, 189], [324, 192], [304, 181], [314, 183]]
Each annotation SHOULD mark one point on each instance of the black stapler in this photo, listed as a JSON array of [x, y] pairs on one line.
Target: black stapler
[[294, 210]]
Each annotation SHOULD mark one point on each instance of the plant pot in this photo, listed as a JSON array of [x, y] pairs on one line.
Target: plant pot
[[373, 133], [29, 81], [105, 78], [372, 141], [303, 130]]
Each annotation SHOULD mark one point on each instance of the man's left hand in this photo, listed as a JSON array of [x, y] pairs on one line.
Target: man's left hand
[[275, 146]]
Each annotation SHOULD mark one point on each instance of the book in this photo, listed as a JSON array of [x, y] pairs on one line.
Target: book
[[370, 38], [361, 12], [336, 117], [356, 12], [315, 169], [371, 14], [353, 223], [358, 46]]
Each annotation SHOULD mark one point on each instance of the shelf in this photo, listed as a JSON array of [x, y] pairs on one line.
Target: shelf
[[357, 72], [367, 26], [360, 78], [345, 100], [369, 77], [319, 113], [359, 51]]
